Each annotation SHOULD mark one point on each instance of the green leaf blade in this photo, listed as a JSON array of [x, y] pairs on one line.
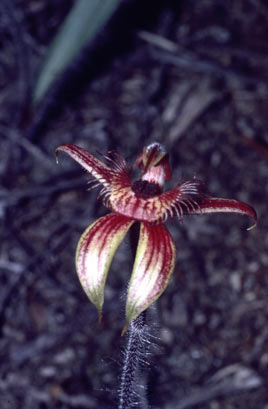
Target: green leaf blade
[[82, 24]]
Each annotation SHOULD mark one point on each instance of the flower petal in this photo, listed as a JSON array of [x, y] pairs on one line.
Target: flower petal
[[185, 197], [182, 199], [93, 165], [154, 264], [218, 205], [95, 252]]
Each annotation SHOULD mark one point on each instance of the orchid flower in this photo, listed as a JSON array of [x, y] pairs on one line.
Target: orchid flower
[[142, 201]]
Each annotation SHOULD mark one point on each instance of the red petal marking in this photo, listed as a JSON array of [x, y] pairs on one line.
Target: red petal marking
[[154, 264], [218, 205], [153, 210], [183, 199], [93, 165], [95, 252], [123, 201]]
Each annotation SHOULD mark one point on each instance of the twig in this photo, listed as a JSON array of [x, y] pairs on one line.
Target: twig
[[11, 266], [173, 54], [43, 395], [232, 379], [25, 273], [30, 148], [12, 198]]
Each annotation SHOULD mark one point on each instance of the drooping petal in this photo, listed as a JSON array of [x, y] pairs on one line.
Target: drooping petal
[[218, 205], [153, 266], [93, 165], [95, 252]]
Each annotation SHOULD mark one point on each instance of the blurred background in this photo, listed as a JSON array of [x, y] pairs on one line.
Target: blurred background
[[193, 76]]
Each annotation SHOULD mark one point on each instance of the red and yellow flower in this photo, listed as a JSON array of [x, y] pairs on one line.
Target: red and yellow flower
[[140, 201]]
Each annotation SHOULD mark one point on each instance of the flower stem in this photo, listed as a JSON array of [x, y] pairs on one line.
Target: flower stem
[[137, 344], [135, 349]]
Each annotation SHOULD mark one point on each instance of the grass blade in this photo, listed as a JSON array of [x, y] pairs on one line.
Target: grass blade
[[82, 24]]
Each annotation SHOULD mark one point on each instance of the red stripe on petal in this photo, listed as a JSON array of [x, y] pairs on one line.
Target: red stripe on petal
[[178, 201], [154, 264], [218, 205], [93, 165], [95, 252]]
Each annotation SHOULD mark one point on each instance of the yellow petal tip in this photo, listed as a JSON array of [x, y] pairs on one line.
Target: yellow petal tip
[[99, 317], [56, 157], [125, 328], [252, 227]]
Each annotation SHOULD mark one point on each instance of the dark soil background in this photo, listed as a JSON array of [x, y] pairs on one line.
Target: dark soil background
[[194, 76]]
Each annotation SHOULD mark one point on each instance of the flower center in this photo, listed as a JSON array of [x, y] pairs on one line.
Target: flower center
[[144, 189]]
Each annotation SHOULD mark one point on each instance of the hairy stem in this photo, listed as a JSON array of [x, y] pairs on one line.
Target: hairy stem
[[136, 346]]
